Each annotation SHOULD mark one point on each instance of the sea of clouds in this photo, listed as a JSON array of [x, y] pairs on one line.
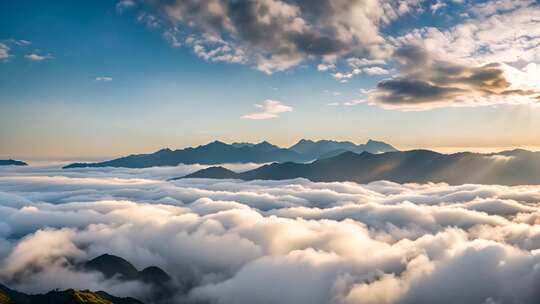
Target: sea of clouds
[[294, 241]]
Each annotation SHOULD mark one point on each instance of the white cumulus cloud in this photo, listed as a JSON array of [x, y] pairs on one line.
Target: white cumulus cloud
[[269, 109]]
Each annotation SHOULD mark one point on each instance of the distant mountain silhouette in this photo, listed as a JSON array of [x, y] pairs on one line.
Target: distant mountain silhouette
[[327, 148], [516, 167], [214, 172], [12, 162], [218, 153], [70, 296]]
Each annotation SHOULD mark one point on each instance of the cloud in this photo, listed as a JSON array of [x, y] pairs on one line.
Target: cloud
[[488, 58], [437, 6], [149, 20], [214, 49], [363, 62], [269, 109], [4, 51], [322, 67], [228, 240], [492, 39], [19, 42], [7, 45], [344, 77], [275, 35], [358, 66], [37, 57], [354, 102], [375, 71], [104, 78], [503, 31], [427, 82], [349, 103], [124, 5], [171, 35]]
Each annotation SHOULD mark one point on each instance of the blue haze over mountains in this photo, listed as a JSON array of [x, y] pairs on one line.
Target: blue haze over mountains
[[331, 161], [218, 152], [516, 167]]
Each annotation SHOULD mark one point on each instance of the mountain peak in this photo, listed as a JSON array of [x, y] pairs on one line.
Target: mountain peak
[[212, 172], [305, 141], [111, 265], [154, 275], [242, 144], [164, 150], [217, 142], [266, 146]]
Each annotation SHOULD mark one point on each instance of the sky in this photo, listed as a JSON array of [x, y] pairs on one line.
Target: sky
[[97, 79]]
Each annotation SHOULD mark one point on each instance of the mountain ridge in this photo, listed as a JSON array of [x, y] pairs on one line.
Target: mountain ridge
[[12, 162], [513, 167], [218, 152]]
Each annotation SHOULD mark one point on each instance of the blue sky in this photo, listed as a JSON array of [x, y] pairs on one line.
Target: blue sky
[[105, 78]]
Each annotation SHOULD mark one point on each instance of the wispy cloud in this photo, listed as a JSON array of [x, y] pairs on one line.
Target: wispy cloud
[[375, 71], [349, 103], [268, 109], [38, 57], [19, 42], [104, 78], [124, 4]]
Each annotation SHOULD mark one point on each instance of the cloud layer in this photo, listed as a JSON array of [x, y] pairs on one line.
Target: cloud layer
[[273, 241]]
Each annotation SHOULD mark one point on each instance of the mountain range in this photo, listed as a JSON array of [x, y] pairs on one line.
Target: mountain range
[[218, 152], [12, 162], [516, 167]]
